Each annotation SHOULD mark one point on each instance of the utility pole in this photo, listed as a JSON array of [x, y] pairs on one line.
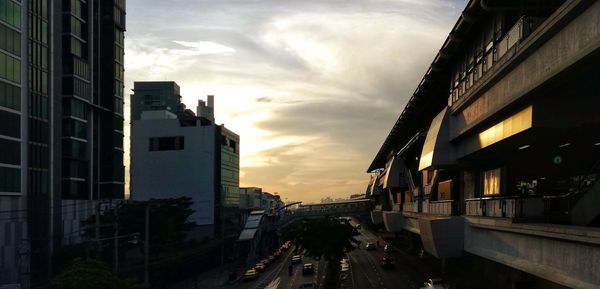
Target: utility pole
[[222, 239], [98, 229], [116, 241], [147, 246]]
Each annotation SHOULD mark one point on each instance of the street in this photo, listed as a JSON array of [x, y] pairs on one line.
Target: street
[[368, 272], [276, 276]]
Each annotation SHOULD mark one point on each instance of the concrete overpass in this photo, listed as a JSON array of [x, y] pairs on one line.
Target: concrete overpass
[[342, 208]]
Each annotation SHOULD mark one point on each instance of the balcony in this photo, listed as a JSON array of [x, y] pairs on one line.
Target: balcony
[[488, 57], [393, 221], [410, 207], [505, 207], [444, 208]]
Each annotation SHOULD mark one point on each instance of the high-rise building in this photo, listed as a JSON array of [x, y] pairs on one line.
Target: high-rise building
[[155, 95], [175, 155], [61, 125]]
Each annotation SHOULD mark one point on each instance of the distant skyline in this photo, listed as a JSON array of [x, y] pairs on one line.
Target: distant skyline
[[311, 87]]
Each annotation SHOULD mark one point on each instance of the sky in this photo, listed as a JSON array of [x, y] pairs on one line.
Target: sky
[[312, 87]]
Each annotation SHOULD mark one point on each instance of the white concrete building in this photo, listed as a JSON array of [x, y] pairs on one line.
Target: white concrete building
[[176, 155]]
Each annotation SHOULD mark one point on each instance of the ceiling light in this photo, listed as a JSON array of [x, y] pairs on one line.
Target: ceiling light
[[597, 144], [524, 147], [564, 145]]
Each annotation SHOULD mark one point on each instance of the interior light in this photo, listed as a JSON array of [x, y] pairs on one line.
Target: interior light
[[564, 145], [597, 144], [524, 147]]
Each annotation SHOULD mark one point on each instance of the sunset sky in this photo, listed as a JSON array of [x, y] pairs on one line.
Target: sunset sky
[[311, 86]]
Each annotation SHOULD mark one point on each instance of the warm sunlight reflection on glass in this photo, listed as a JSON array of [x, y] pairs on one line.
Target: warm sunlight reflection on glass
[[506, 128]]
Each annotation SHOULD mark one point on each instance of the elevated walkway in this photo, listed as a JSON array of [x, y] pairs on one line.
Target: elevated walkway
[[335, 209]]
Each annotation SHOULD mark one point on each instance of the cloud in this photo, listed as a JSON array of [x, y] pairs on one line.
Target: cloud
[[202, 48], [264, 99], [312, 87]]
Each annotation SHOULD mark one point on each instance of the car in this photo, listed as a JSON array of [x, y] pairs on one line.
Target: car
[[308, 286], [370, 247], [388, 248], [286, 246], [387, 262], [434, 283], [357, 226], [259, 267], [271, 258], [308, 268], [266, 262], [344, 267], [250, 274], [296, 259]]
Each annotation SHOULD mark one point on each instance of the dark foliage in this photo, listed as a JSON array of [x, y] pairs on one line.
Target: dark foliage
[[88, 274], [328, 238], [168, 223]]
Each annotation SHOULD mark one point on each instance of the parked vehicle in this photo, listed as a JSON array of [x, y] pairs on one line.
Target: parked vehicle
[[271, 258], [370, 247], [266, 262], [308, 268], [259, 267], [296, 259], [250, 275]]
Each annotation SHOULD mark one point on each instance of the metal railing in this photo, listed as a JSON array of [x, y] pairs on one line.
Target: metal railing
[[492, 55], [513, 207], [410, 207], [446, 207]]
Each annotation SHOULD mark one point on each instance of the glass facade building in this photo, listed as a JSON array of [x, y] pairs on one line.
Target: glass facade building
[[61, 108]]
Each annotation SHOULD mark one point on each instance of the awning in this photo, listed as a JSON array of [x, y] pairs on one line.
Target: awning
[[369, 190], [378, 184], [437, 150], [247, 234], [393, 177]]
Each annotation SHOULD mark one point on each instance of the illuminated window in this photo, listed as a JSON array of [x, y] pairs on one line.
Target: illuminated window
[[507, 128], [491, 182]]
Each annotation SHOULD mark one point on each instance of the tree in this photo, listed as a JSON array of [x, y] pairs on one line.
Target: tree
[[169, 223], [328, 238], [88, 274]]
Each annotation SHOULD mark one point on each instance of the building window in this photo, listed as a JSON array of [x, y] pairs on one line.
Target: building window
[[10, 40], [166, 143], [75, 108], [10, 180], [10, 96], [492, 182], [10, 12], [233, 145], [10, 68]]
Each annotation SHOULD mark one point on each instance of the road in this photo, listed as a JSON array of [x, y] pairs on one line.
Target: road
[[368, 273], [276, 276]]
